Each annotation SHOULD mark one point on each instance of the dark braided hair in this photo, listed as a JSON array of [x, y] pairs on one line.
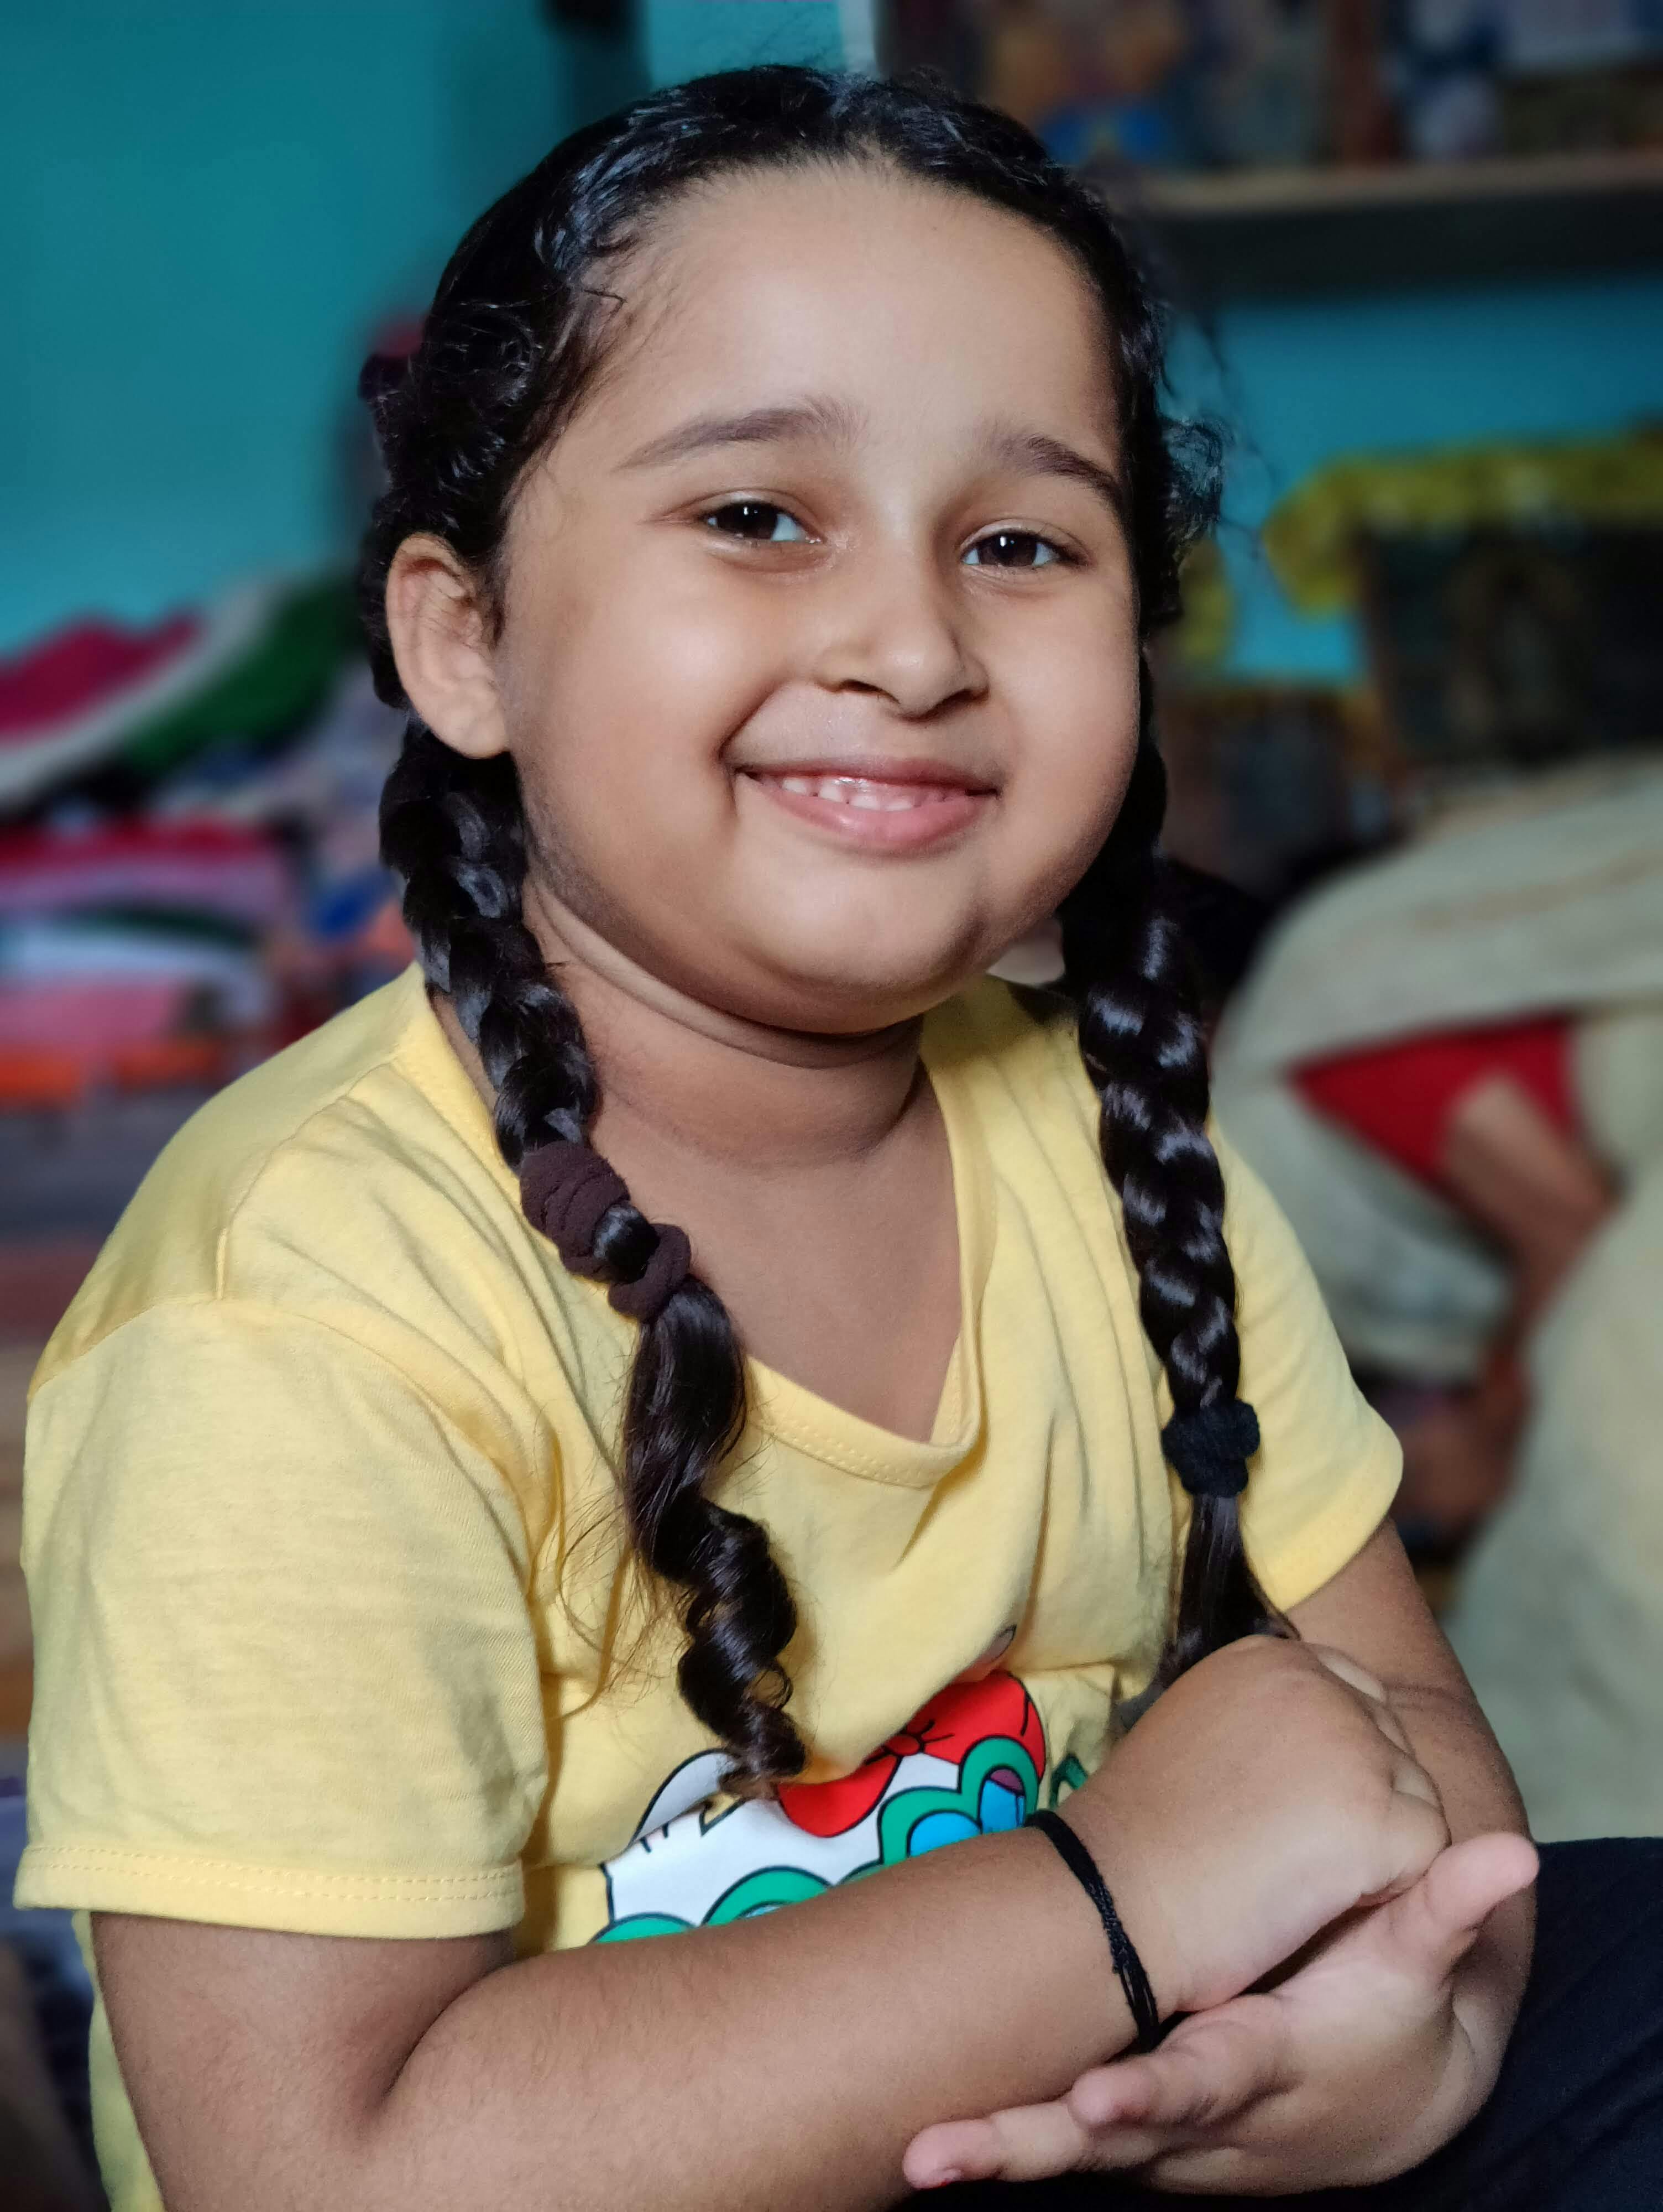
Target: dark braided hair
[[517, 330]]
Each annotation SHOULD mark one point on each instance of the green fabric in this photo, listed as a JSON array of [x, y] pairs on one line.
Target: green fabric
[[279, 683]]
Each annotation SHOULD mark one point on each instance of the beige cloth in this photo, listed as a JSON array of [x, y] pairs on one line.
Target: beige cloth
[[1548, 900], [1559, 1618]]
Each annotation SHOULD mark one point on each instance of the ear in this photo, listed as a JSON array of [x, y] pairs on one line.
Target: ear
[[441, 642]]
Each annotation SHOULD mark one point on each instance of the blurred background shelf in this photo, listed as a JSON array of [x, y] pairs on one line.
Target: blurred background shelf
[[1276, 233]]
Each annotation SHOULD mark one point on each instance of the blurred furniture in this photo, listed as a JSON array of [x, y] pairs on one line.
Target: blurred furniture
[[1508, 595], [1512, 648], [1280, 146], [1268, 233], [1269, 784]]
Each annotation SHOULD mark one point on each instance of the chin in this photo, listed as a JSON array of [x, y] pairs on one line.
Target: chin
[[856, 992]]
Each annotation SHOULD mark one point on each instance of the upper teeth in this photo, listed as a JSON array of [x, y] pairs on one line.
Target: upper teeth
[[854, 791]]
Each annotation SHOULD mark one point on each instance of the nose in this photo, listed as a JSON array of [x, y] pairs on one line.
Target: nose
[[894, 626]]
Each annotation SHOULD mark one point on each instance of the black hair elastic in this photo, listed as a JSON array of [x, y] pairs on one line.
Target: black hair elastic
[[1128, 1967], [1211, 1447]]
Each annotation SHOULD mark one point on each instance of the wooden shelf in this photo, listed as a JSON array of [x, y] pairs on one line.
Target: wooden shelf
[[1284, 232]]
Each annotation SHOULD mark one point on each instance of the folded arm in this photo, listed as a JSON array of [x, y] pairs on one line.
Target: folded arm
[[1388, 2036]]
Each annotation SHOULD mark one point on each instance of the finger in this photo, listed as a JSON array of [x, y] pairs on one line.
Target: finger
[[1410, 1779], [1120, 2116], [1354, 1676], [1029, 2142], [1415, 1832], [1430, 1928], [1369, 1687], [1208, 2069], [1392, 1728]]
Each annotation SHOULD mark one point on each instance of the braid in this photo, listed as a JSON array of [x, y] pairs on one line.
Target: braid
[[453, 830], [1142, 1043]]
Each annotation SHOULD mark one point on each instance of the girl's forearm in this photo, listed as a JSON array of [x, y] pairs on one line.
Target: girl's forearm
[[775, 2062]]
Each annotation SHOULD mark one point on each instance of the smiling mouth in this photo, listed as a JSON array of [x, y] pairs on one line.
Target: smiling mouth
[[872, 794], [912, 807]]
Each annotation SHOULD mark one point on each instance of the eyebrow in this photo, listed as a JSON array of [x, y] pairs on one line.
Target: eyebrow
[[1030, 452], [828, 420], [1034, 452]]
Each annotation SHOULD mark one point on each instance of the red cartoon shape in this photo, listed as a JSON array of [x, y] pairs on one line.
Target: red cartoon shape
[[955, 1718]]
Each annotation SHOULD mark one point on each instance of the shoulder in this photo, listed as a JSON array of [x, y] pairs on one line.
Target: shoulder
[[306, 1186], [326, 1271]]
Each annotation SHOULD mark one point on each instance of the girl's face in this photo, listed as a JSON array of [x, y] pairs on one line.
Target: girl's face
[[819, 653]]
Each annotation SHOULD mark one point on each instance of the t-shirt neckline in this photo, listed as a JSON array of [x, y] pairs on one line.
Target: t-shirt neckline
[[785, 1410]]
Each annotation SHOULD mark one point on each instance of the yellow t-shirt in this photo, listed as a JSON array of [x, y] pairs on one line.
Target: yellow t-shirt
[[323, 1553]]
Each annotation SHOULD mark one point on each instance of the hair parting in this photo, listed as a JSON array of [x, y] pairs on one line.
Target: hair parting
[[518, 331]]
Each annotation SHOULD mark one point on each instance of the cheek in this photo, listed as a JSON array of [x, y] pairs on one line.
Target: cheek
[[652, 666], [638, 686], [1076, 698]]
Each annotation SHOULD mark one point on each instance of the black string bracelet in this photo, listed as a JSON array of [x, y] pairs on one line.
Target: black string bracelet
[[1128, 1967]]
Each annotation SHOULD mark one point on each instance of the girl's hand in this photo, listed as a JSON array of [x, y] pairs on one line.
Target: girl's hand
[[1360, 2065], [1269, 1791]]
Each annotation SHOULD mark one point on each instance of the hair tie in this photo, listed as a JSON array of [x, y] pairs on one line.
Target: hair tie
[[1211, 1447], [646, 1298], [564, 1190]]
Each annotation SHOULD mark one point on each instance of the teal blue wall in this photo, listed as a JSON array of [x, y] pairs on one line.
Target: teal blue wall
[[1299, 383], [686, 38], [209, 205]]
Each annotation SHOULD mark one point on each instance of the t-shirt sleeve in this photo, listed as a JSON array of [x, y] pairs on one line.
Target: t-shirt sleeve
[[1328, 1467], [287, 1672]]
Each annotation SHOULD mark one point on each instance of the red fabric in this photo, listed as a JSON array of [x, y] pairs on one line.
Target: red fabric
[[92, 1017], [220, 868], [1399, 1097], [79, 668]]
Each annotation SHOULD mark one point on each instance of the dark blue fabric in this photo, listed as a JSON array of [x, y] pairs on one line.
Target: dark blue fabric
[[1575, 2124], [58, 1982]]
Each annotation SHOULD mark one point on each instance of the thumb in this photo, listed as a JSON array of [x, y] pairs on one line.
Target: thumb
[[1431, 1927]]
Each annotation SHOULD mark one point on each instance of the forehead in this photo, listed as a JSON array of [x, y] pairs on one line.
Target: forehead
[[923, 311]]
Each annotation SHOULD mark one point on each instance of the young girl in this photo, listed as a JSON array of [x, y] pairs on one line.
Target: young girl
[[698, 1397]]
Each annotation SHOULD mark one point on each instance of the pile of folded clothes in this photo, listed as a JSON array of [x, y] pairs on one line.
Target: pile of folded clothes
[[188, 868]]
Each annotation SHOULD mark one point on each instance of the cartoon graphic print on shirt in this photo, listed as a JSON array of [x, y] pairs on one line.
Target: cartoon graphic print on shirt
[[969, 1763]]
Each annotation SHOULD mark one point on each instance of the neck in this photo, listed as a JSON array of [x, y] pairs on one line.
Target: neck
[[678, 1075]]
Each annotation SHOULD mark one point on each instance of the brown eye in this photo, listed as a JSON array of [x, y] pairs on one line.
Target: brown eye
[[1012, 548], [756, 519]]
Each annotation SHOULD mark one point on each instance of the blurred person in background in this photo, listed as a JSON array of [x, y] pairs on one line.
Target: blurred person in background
[[1448, 1064]]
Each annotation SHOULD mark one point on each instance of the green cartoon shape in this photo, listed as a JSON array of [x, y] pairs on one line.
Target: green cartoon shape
[[922, 1819], [1066, 1780], [639, 1924], [763, 1891]]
